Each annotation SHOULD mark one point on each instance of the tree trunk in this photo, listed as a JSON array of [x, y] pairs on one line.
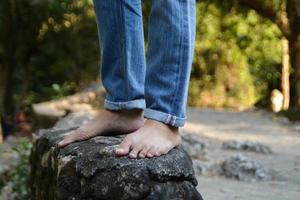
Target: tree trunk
[[285, 74], [1, 132], [296, 65], [293, 11], [7, 67], [2, 97], [3, 81]]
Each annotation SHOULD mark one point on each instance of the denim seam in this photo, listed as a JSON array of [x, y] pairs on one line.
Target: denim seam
[[168, 119], [138, 104], [163, 113], [173, 120], [164, 117], [179, 60], [122, 102], [123, 48]]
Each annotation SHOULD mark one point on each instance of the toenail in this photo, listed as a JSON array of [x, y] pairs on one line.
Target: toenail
[[60, 143], [119, 149], [132, 155]]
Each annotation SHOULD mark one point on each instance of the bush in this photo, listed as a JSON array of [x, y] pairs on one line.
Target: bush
[[236, 57], [19, 176]]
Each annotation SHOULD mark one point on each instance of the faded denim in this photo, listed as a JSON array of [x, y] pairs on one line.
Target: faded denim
[[158, 82]]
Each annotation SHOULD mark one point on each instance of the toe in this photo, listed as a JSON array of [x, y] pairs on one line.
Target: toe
[[133, 153], [143, 152], [151, 152], [64, 142], [72, 137], [157, 153], [124, 147], [161, 151]]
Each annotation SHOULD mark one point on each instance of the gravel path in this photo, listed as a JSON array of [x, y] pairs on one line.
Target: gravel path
[[214, 127]]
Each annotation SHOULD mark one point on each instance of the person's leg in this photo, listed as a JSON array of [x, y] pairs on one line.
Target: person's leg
[[169, 61], [120, 28]]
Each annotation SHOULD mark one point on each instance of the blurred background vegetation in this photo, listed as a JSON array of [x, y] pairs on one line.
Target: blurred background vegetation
[[49, 49], [245, 49]]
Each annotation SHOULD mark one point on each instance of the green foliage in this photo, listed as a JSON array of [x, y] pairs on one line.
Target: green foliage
[[19, 176], [235, 57], [55, 91], [50, 47]]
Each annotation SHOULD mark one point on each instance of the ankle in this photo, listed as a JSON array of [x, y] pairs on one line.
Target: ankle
[[153, 122], [131, 112], [174, 129]]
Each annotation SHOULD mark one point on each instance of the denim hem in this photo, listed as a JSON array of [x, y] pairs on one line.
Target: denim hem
[[127, 105], [164, 117]]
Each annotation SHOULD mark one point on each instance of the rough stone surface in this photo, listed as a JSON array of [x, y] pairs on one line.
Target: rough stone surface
[[243, 168], [246, 146], [90, 170]]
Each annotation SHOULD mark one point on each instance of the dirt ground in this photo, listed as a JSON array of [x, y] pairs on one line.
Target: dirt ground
[[214, 127]]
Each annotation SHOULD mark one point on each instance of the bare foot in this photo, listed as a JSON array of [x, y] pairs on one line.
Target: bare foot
[[153, 139], [108, 123]]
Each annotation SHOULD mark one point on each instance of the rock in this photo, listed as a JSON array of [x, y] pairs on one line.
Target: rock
[[276, 100], [207, 168], [47, 113], [243, 168], [90, 170], [193, 146], [297, 128], [246, 146]]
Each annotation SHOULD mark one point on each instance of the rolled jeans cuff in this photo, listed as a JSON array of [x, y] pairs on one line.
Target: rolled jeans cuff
[[127, 105], [164, 117]]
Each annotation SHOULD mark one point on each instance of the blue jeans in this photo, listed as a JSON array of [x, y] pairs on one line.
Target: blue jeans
[[156, 82]]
